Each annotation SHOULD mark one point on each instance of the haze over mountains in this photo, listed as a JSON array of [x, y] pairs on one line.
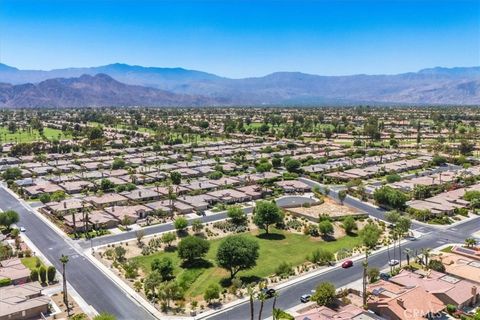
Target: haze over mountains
[[125, 85]]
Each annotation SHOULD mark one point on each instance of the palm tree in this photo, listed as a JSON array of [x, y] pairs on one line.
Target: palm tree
[[64, 261], [171, 197], [262, 297], [74, 223], [364, 280], [86, 211], [470, 242], [275, 296], [399, 236], [251, 294], [426, 254], [407, 253]]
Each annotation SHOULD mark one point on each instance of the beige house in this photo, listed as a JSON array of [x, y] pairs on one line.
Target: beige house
[[24, 301]]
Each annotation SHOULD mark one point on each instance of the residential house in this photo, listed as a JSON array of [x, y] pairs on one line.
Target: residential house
[[133, 213], [293, 186], [229, 196], [108, 199], [24, 301], [348, 312], [14, 270], [394, 302], [447, 288]]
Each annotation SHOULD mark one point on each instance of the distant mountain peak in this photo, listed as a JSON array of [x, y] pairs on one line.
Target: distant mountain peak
[[4, 67], [437, 85], [458, 71], [96, 90]]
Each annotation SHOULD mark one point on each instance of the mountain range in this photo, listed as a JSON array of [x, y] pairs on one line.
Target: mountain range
[[126, 85]]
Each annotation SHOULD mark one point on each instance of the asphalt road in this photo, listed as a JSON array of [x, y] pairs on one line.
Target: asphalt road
[[95, 288], [290, 296], [148, 231], [286, 201], [99, 291], [371, 210]]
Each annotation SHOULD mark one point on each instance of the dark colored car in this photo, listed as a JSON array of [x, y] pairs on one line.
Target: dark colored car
[[384, 276], [347, 264], [268, 292]]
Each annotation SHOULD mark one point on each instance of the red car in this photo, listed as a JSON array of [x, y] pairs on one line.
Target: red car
[[347, 264]]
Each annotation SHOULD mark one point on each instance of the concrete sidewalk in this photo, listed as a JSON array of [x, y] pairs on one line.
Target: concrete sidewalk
[[88, 309]]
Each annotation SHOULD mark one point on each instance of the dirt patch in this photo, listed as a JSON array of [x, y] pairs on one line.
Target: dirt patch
[[329, 208]]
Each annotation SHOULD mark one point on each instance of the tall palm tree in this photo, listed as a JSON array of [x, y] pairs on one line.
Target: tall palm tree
[[275, 296], [86, 212], [251, 294], [64, 261], [407, 252], [364, 279], [426, 254], [400, 236], [262, 297], [74, 223]]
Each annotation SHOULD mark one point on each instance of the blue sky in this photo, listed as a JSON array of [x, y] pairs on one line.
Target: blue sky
[[242, 38]]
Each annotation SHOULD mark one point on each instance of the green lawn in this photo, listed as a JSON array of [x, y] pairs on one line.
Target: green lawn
[[254, 125], [30, 136], [282, 246], [30, 262], [447, 249]]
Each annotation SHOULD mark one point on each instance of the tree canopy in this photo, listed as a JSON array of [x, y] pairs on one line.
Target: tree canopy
[[236, 253], [266, 214], [192, 248]]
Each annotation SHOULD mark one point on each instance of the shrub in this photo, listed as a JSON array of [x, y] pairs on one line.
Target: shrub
[[51, 272], [180, 223], [44, 198], [313, 231], [34, 275], [451, 308], [284, 269], [42, 272], [164, 267], [212, 292], [294, 224], [391, 178], [5, 282], [321, 256], [436, 265]]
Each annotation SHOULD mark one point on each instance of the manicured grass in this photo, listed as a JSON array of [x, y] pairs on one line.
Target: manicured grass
[[29, 136], [254, 125], [55, 134], [279, 247], [30, 262], [19, 135], [447, 249]]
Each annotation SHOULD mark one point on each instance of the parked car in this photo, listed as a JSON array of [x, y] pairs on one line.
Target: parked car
[[393, 262], [305, 298], [22, 229], [384, 276], [347, 264], [268, 292]]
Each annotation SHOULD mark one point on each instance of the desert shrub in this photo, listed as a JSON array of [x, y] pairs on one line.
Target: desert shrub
[[34, 275], [284, 269], [5, 282]]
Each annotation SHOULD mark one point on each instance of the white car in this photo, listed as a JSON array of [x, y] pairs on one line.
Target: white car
[[393, 262], [22, 229]]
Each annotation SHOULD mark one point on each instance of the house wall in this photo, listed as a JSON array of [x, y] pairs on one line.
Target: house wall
[[32, 313]]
